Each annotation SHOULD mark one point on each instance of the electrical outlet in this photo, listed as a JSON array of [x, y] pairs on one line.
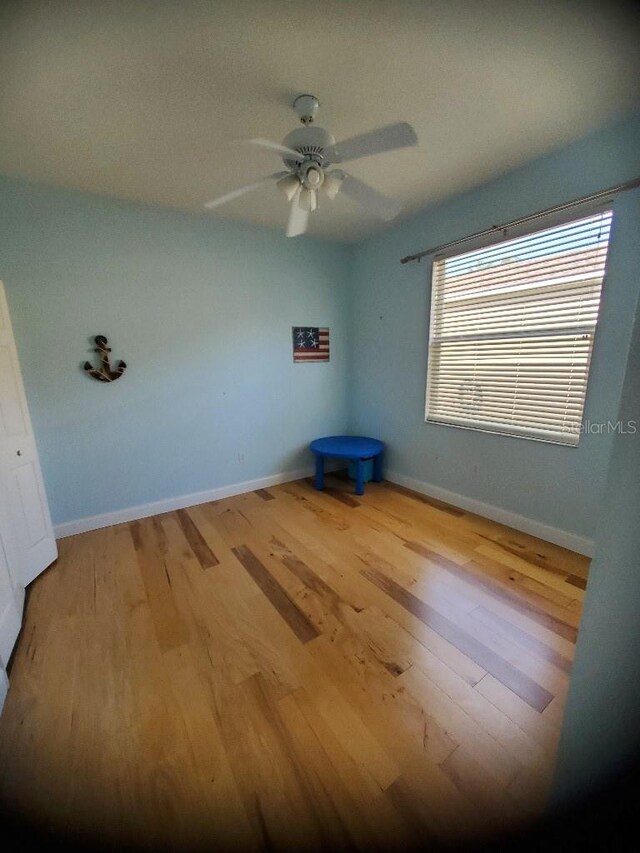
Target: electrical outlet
[[241, 457]]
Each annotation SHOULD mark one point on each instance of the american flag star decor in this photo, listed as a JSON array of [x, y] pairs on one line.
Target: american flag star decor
[[310, 344]]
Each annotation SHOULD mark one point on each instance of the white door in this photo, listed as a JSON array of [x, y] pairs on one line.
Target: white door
[[31, 533], [11, 586], [10, 608]]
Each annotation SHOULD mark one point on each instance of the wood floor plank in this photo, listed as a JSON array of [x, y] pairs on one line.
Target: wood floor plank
[[215, 610], [288, 609], [197, 543], [207, 522], [171, 630], [319, 603], [423, 499], [436, 821], [560, 620], [237, 627], [549, 579], [462, 728], [397, 527], [316, 504], [264, 494], [526, 688], [332, 798], [303, 526], [304, 573], [354, 736], [289, 775], [554, 712], [229, 521], [342, 496], [492, 595], [412, 572], [217, 808], [528, 588], [527, 718], [426, 524], [474, 781], [292, 535], [264, 770], [537, 668], [532, 644], [344, 660], [495, 722], [389, 642], [546, 555], [366, 793]]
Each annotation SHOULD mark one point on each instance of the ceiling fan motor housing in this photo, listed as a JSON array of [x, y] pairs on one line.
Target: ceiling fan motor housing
[[309, 141]]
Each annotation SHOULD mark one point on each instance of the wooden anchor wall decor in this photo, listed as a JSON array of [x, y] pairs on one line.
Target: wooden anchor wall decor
[[104, 373]]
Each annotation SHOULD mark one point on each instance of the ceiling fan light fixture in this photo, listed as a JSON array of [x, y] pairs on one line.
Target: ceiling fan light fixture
[[289, 185], [314, 178]]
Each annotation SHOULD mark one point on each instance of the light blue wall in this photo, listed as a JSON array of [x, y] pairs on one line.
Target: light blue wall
[[601, 729], [201, 311], [556, 485]]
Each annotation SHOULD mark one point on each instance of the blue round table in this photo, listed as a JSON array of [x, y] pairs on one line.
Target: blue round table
[[353, 447]]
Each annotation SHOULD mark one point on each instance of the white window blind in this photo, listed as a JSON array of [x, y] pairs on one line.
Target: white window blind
[[512, 329]]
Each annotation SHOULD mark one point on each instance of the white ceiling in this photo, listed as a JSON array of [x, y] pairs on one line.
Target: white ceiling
[[143, 100]]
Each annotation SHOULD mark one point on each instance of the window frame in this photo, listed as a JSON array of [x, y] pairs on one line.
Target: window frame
[[525, 229]]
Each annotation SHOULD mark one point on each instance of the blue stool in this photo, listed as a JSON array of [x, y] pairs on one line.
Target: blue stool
[[355, 447]]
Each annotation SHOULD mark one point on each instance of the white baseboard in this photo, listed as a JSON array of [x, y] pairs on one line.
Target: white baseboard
[[564, 538], [572, 541], [107, 519]]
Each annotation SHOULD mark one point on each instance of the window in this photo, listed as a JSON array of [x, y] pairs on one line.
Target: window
[[512, 329]]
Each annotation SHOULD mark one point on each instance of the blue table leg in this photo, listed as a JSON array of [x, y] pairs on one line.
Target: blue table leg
[[319, 472], [360, 478], [377, 468]]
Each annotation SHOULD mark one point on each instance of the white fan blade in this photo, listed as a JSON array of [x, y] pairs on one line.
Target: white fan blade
[[388, 138], [289, 185], [275, 146], [298, 218], [308, 199], [223, 199], [381, 205], [332, 182]]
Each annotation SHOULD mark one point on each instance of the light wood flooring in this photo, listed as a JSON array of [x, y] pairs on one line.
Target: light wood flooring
[[290, 669]]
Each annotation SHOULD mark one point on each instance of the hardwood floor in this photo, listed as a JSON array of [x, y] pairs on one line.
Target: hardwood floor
[[292, 669]]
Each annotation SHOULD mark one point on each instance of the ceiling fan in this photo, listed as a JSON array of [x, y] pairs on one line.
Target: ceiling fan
[[308, 151]]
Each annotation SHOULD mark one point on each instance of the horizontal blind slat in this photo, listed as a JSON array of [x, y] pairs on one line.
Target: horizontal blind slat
[[553, 435], [507, 401], [510, 414]]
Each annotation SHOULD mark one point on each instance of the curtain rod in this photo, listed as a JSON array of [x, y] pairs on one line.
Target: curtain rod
[[628, 185]]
